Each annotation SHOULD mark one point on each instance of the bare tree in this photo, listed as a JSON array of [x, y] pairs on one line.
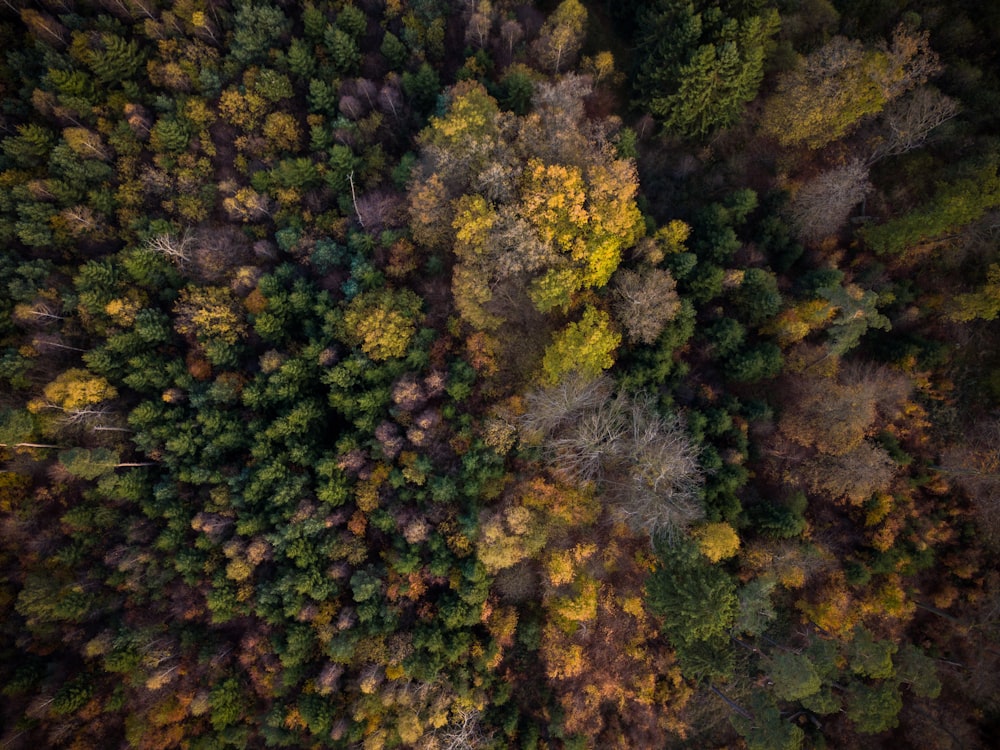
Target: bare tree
[[854, 476], [642, 459], [658, 481], [390, 99], [827, 415], [911, 61], [130, 8], [909, 121], [53, 341], [477, 32], [351, 107], [367, 90], [549, 410], [85, 415], [41, 312], [645, 302], [379, 208], [822, 205], [177, 249], [218, 250], [464, 733], [889, 388], [511, 32], [81, 220], [975, 467]]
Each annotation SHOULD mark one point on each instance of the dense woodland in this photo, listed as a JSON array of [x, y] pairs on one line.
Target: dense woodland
[[448, 374]]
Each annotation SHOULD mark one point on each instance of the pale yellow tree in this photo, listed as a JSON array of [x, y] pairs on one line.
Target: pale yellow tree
[[562, 34]]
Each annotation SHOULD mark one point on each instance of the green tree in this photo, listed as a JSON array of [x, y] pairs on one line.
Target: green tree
[[30, 147], [695, 600], [352, 21], [794, 676], [955, 206], [756, 610], [856, 313], [73, 695], [869, 657], [18, 429], [874, 708], [757, 298], [916, 669], [344, 51], [170, 134], [754, 363], [88, 464], [394, 51], [322, 98], [765, 728], [301, 59], [228, 703], [984, 303], [422, 88], [258, 30], [699, 66], [115, 60]]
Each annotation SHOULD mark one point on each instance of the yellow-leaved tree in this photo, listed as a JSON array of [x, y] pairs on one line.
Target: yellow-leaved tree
[[77, 388], [844, 81], [586, 347], [382, 323], [538, 209]]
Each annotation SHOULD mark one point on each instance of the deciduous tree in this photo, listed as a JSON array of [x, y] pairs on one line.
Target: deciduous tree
[[643, 460], [562, 34], [824, 414], [822, 205], [383, 322], [586, 347], [843, 82], [645, 301]]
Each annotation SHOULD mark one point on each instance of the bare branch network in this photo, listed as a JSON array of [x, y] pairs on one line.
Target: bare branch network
[[176, 248], [643, 460]]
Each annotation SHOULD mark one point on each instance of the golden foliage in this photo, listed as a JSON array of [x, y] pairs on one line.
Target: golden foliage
[[14, 490], [282, 131], [383, 322], [832, 609], [587, 347], [244, 110], [579, 607], [843, 82], [717, 541], [510, 536], [795, 323], [561, 503], [210, 313], [73, 390]]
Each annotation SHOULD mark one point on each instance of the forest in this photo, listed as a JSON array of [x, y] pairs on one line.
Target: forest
[[485, 374]]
